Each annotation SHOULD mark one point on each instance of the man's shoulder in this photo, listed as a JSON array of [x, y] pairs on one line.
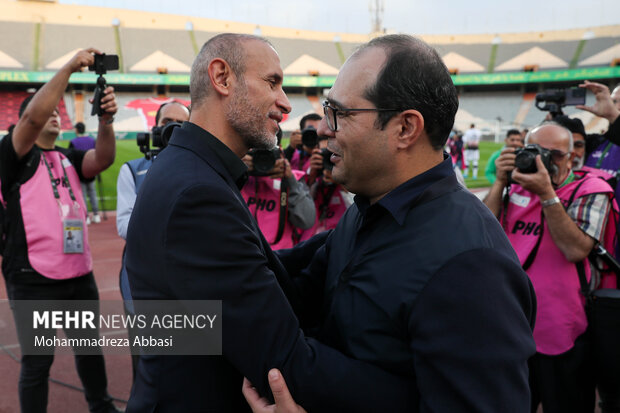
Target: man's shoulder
[[587, 183], [460, 220], [177, 172], [495, 154]]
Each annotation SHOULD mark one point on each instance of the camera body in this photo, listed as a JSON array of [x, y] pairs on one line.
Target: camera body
[[525, 159], [159, 137], [555, 99], [327, 162], [103, 63], [309, 137], [263, 160]]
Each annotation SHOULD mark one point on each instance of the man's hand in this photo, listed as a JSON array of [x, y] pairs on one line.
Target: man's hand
[[538, 183], [604, 106], [504, 164], [316, 166], [247, 160], [83, 58], [282, 169], [316, 161], [284, 402], [108, 104], [295, 140]]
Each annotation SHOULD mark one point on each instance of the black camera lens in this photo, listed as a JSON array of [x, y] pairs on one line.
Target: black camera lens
[[142, 139], [525, 161], [309, 137], [263, 160], [162, 134]]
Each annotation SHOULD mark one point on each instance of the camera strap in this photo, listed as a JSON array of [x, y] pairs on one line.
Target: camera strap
[[532, 255], [283, 210], [328, 192]]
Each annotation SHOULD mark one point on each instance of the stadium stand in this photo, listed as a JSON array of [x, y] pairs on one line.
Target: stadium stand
[[478, 53], [19, 49], [9, 108], [483, 109], [595, 51], [140, 44], [149, 43], [59, 42], [291, 49]]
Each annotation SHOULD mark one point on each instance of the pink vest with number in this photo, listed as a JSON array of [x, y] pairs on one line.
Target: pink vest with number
[[43, 223], [262, 194], [560, 315]]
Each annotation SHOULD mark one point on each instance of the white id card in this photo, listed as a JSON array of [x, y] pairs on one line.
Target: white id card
[[73, 236]]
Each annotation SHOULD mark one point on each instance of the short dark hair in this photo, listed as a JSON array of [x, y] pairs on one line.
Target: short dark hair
[[227, 46], [309, 116], [513, 132], [414, 77], [158, 114], [574, 125], [80, 128], [24, 104]]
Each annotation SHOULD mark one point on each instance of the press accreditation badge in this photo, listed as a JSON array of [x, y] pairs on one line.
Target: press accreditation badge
[[73, 236], [520, 200]]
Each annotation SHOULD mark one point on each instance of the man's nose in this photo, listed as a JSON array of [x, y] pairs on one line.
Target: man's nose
[[323, 129], [283, 103]]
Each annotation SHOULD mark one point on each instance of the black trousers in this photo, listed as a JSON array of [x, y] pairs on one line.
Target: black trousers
[[34, 374], [563, 383], [605, 335]]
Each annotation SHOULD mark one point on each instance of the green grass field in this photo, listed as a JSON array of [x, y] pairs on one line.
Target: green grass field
[[127, 150], [486, 149]]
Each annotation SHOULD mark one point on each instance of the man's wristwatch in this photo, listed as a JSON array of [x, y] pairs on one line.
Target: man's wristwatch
[[549, 202], [107, 122]]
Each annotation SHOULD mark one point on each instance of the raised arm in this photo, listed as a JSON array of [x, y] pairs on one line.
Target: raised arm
[[44, 103]]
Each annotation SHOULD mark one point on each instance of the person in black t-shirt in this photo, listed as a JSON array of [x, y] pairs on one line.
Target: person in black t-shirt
[[41, 187]]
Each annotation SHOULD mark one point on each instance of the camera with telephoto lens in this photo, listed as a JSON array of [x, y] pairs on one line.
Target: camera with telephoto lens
[[309, 137], [327, 161], [103, 63], [263, 161], [159, 137], [554, 99]]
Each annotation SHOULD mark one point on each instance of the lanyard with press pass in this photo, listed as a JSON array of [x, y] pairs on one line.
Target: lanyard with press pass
[[72, 223]]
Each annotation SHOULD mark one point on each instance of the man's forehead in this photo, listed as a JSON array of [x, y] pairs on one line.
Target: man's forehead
[[550, 133], [260, 50], [174, 108]]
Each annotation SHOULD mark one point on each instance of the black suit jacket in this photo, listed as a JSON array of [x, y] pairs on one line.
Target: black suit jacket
[[192, 237]]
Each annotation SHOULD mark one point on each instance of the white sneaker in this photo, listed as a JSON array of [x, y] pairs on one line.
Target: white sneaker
[[87, 220], [96, 219]]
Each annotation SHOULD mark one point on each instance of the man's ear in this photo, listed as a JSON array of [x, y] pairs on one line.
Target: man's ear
[[220, 76], [410, 127]]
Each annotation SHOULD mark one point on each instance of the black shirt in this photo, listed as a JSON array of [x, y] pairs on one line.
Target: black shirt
[[425, 283], [233, 164]]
